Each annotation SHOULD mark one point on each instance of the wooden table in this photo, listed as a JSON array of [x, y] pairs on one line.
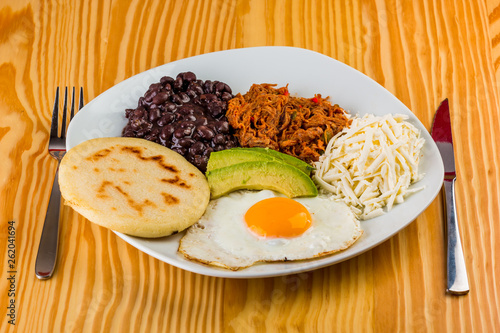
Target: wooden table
[[421, 51]]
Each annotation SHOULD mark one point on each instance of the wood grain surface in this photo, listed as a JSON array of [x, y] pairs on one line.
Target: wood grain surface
[[421, 51]]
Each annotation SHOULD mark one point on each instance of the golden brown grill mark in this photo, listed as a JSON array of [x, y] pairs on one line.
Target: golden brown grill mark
[[117, 170], [176, 181], [100, 154], [103, 186], [119, 189], [169, 199], [157, 158], [132, 203]]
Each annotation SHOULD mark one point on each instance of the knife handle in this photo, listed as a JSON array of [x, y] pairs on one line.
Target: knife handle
[[457, 282]]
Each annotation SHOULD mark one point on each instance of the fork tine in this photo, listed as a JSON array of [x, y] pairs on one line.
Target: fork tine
[[65, 108], [55, 116], [72, 104], [80, 105]]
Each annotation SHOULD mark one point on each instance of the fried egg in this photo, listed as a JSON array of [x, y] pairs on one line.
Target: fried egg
[[246, 227]]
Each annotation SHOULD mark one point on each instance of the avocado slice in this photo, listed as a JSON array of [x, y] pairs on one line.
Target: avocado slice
[[231, 156], [260, 175]]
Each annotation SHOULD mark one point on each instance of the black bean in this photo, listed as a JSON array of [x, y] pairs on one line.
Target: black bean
[[169, 106], [161, 97], [167, 118], [184, 97], [140, 133], [219, 139], [154, 114], [196, 88], [185, 142], [208, 98], [199, 109], [148, 96], [201, 120], [187, 124], [226, 96], [128, 112], [222, 126], [176, 99], [128, 133], [146, 125], [180, 150], [191, 93], [138, 113], [136, 124], [166, 132], [141, 102], [190, 117], [155, 86], [151, 137], [214, 109], [197, 148], [205, 132], [188, 76], [166, 79], [178, 83], [231, 143], [208, 151], [201, 160], [219, 147], [182, 132], [208, 87], [219, 87], [186, 109]]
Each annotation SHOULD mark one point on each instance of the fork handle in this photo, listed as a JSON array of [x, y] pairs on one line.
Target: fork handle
[[47, 250], [457, 282]]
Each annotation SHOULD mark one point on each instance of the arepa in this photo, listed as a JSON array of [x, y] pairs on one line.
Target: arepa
[[133, 186]]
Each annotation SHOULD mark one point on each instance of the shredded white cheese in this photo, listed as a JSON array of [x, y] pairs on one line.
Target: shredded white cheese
[[371, 164]]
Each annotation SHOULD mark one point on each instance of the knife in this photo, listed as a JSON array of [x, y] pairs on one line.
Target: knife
[[457, 282]]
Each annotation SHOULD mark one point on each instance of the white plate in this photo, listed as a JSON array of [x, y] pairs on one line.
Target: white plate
[[307, 73]]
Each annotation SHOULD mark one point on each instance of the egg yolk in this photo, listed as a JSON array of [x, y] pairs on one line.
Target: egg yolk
[[278, 217]]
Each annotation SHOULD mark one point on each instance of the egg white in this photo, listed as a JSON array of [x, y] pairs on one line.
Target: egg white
[[221, 236]]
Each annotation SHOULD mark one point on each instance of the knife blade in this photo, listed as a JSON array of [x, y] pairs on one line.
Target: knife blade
[[457, 281]]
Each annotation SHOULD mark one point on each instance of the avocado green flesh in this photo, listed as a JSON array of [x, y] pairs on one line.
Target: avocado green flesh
[[298, 163], [232, 156], [261, 175]]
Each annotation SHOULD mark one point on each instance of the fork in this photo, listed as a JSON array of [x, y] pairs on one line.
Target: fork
[[47, 250]]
